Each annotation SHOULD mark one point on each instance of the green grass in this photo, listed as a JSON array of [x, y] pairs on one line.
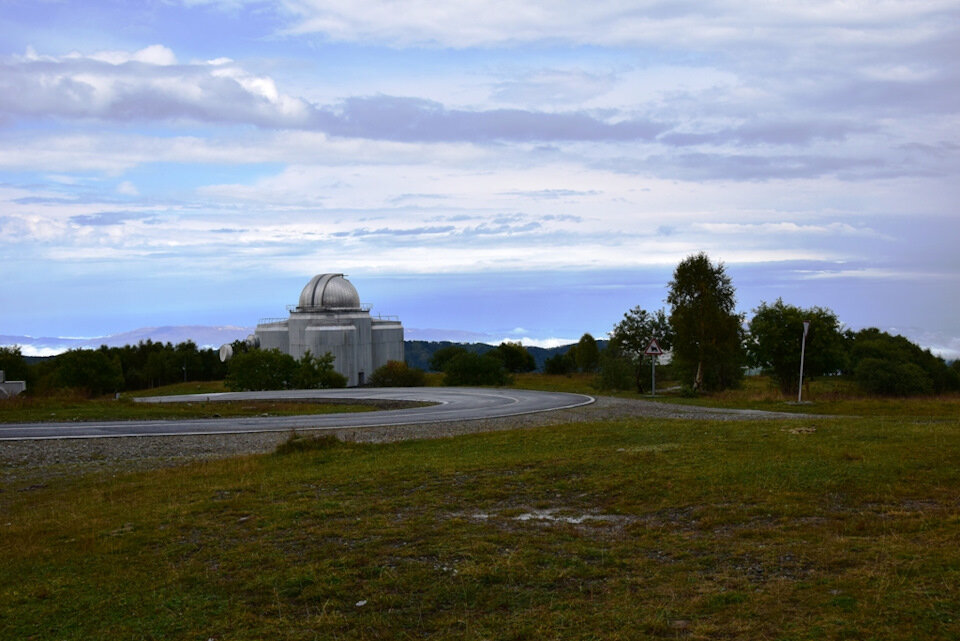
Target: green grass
[[811, 529], [821, 396]]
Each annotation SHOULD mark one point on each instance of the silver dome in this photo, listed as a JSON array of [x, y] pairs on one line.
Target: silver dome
[[328, 292]]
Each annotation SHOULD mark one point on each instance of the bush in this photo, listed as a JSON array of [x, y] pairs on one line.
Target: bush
[[616, 372], [886, 364], [474, 369], [261, 369], [892, 378], [398, 374], [316, 372]]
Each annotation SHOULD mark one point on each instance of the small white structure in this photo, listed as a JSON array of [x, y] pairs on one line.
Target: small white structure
[[9, 389], [330, 318]]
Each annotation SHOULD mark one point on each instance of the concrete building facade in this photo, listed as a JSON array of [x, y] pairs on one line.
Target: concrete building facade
[[330, 318]]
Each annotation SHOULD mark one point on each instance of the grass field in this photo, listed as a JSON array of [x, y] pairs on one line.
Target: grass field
[[844, 528]]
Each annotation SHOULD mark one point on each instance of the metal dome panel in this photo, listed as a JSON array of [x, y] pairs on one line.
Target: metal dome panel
[[329, 291]]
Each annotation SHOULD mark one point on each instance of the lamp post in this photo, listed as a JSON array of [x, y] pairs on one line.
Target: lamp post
[[803, 349]]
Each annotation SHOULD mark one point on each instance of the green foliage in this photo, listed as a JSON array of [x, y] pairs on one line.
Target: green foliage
[[892, 365], [586, 354], [514, 356], [561, 363], [776, 333], [261, 369], [398, 374], [616, 371], [892, 378], [475, 369], [316, 372], [708, 334], [268, 369], [12, 363], [442, 356], [96, 372], [630, 339]]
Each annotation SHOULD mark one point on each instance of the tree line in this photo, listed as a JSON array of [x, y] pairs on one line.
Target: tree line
[[114, 369], [711, 344]]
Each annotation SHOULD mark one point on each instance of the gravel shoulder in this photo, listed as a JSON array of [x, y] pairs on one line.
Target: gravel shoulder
[[29, 462]]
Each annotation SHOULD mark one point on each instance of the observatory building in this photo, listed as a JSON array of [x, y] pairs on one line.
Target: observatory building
[[330, 318]]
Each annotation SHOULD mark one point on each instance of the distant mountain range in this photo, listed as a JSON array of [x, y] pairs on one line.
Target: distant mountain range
[[202, 335], [210, 336]]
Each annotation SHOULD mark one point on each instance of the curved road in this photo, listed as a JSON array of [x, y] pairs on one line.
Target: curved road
[[453, 404]]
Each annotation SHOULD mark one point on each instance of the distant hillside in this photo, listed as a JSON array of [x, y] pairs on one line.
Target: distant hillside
[[418, 353]]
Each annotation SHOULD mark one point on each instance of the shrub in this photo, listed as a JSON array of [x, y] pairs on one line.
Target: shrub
[[616, 372], [316, 372], [398, 374], [261, 369], [887, 364], [892, 378]]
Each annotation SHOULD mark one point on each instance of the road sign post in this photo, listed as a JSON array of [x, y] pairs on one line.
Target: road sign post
[[653, 350]]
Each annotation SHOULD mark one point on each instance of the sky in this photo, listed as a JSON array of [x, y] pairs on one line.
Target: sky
[[498, 168]]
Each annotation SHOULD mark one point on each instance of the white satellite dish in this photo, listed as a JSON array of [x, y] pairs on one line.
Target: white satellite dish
[[226, 352]]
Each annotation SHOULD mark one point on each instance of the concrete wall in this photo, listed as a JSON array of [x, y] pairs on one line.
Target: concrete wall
[[274, 336], [339, 340], [387, 340], [358, 343]]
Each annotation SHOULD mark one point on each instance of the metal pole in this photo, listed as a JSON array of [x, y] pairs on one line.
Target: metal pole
[[803, 349], [653, 376]]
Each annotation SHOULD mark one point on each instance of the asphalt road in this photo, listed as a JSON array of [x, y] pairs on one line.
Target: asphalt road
[[453, 404]]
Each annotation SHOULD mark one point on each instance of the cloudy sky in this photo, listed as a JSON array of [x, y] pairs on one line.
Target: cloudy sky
[[514, 169]]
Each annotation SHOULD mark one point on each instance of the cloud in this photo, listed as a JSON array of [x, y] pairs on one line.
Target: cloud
[[716, 23]]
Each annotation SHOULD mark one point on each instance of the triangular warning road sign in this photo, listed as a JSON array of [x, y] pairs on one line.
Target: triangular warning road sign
[[653, 349]]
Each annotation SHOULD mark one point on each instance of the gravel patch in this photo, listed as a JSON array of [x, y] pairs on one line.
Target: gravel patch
[[24, 462]]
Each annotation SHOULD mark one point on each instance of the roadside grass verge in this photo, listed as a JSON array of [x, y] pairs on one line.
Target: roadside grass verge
[[812, 529], [25, 409], [827, 395]]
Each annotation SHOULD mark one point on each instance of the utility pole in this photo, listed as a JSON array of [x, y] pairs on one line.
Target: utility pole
[[803, 349]]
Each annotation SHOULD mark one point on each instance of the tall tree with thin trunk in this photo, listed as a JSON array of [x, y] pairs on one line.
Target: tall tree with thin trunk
[[708, 333]]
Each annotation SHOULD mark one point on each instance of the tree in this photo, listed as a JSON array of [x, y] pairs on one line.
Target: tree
[[892, 365], [94, 371], [707, 347], [630, 339], [442, 356], [586, 354], [398, 374], [12, 363], [475, 369], [616, 371], [776, 333], [560, 363], [261, 369], [317, 372], [515, 357]]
